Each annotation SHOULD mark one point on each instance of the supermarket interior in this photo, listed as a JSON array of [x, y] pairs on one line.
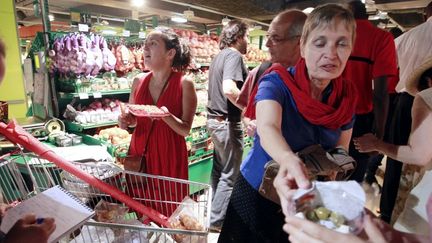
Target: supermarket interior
[[86, 90]]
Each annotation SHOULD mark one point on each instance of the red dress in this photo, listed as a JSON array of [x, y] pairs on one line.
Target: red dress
[[166, 149]]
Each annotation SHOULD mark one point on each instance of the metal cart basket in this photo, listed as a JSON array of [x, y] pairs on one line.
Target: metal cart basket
[[24, 175]]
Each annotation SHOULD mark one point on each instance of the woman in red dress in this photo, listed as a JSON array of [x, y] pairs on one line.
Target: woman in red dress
[[166, 154]]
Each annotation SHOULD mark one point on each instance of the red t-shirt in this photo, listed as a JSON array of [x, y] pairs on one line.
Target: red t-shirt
[[374, 55]]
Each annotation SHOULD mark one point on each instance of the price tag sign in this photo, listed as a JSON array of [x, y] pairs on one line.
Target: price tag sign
[[126, 33], [36, 59], [83, 27], [97, 94], [75, 17], [141, 35], [83, 96]]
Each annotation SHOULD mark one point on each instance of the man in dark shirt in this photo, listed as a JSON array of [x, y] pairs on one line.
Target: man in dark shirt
[[226, 76]]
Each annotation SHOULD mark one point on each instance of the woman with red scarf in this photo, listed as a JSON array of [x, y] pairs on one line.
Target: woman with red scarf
[[305, 105]]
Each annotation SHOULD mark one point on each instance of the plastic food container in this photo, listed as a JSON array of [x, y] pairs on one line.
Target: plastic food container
[[63, 141], [75, 139], [337, 205]]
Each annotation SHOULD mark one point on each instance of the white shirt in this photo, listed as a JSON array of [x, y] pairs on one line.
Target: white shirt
[[413, 48]]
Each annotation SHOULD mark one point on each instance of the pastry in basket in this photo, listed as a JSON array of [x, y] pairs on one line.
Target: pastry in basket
[[187, 222], [190, 222], [147, 110]]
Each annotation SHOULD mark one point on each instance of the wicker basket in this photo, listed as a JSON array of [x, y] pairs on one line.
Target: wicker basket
[[4, 111]]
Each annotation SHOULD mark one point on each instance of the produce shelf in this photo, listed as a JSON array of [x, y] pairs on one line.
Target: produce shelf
[[64, 95], [76, 127], [252, 64], [248, 64]]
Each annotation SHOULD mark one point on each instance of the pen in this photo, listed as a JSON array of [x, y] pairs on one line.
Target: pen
[[39, 220]]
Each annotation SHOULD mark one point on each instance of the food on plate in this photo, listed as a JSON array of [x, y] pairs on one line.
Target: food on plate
[[147, 110]]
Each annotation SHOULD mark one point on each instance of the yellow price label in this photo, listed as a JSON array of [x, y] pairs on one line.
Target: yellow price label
[[36, 59]]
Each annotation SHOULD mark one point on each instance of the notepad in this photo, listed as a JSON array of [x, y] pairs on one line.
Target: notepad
[[67, 210]]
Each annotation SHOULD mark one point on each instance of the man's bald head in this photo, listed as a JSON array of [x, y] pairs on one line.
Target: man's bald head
[[293, 20], [284, 34]]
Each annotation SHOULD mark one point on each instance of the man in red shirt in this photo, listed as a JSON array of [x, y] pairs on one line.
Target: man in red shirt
[[371, 66]]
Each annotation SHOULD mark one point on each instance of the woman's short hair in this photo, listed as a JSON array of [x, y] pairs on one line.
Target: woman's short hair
[[324, 15], [231, 32], [182, 57]]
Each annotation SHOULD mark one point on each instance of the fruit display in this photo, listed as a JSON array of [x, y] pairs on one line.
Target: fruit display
[[199, 121], [78, 54], [255, 55], [100, 110], [114, 136], [203, 47]]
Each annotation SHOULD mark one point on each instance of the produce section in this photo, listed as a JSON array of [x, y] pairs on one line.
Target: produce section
[[94, 74], [90, 75]]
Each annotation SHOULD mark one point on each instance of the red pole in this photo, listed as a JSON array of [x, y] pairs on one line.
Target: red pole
[[18, 135]]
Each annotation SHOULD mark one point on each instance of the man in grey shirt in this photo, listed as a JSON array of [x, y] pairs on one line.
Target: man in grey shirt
[[226, 76]]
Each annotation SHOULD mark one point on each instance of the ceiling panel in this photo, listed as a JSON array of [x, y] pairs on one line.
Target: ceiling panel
[[405, 13]]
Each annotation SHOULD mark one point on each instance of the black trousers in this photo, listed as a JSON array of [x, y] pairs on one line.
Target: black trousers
[[400, 129], [375, 161], [363, 124], [251, 218]]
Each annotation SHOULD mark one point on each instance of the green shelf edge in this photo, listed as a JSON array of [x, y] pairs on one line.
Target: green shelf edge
[[75, 127], [64, 95], [248, 64]]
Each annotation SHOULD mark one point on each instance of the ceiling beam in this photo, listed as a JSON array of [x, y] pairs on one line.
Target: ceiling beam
[[216, 12]]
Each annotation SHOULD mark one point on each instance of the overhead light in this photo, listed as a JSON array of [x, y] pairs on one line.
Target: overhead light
[[379, 15], [188, 14], [251, 27], [51, 17], [137, 3], [382, 14], [179, 19], [308, 10], [225, 21]]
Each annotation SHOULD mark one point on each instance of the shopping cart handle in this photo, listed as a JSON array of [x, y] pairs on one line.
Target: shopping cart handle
[[18, 135]]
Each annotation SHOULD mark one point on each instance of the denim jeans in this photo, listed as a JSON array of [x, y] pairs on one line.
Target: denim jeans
[[227, 138]]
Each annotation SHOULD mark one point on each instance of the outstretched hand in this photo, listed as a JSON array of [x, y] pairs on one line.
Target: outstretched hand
[[125, 118], [304, 231], [366, 143], [290, 177]]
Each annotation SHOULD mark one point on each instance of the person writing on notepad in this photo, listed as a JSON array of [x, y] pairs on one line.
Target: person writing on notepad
[[28, 228]]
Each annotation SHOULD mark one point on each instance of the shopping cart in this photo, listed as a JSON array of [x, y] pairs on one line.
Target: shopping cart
[[26, 174]]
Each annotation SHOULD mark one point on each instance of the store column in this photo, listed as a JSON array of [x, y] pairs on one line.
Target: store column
[[12, 88]]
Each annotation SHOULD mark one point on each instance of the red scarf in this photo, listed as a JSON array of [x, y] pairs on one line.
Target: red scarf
[[341, 104]]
